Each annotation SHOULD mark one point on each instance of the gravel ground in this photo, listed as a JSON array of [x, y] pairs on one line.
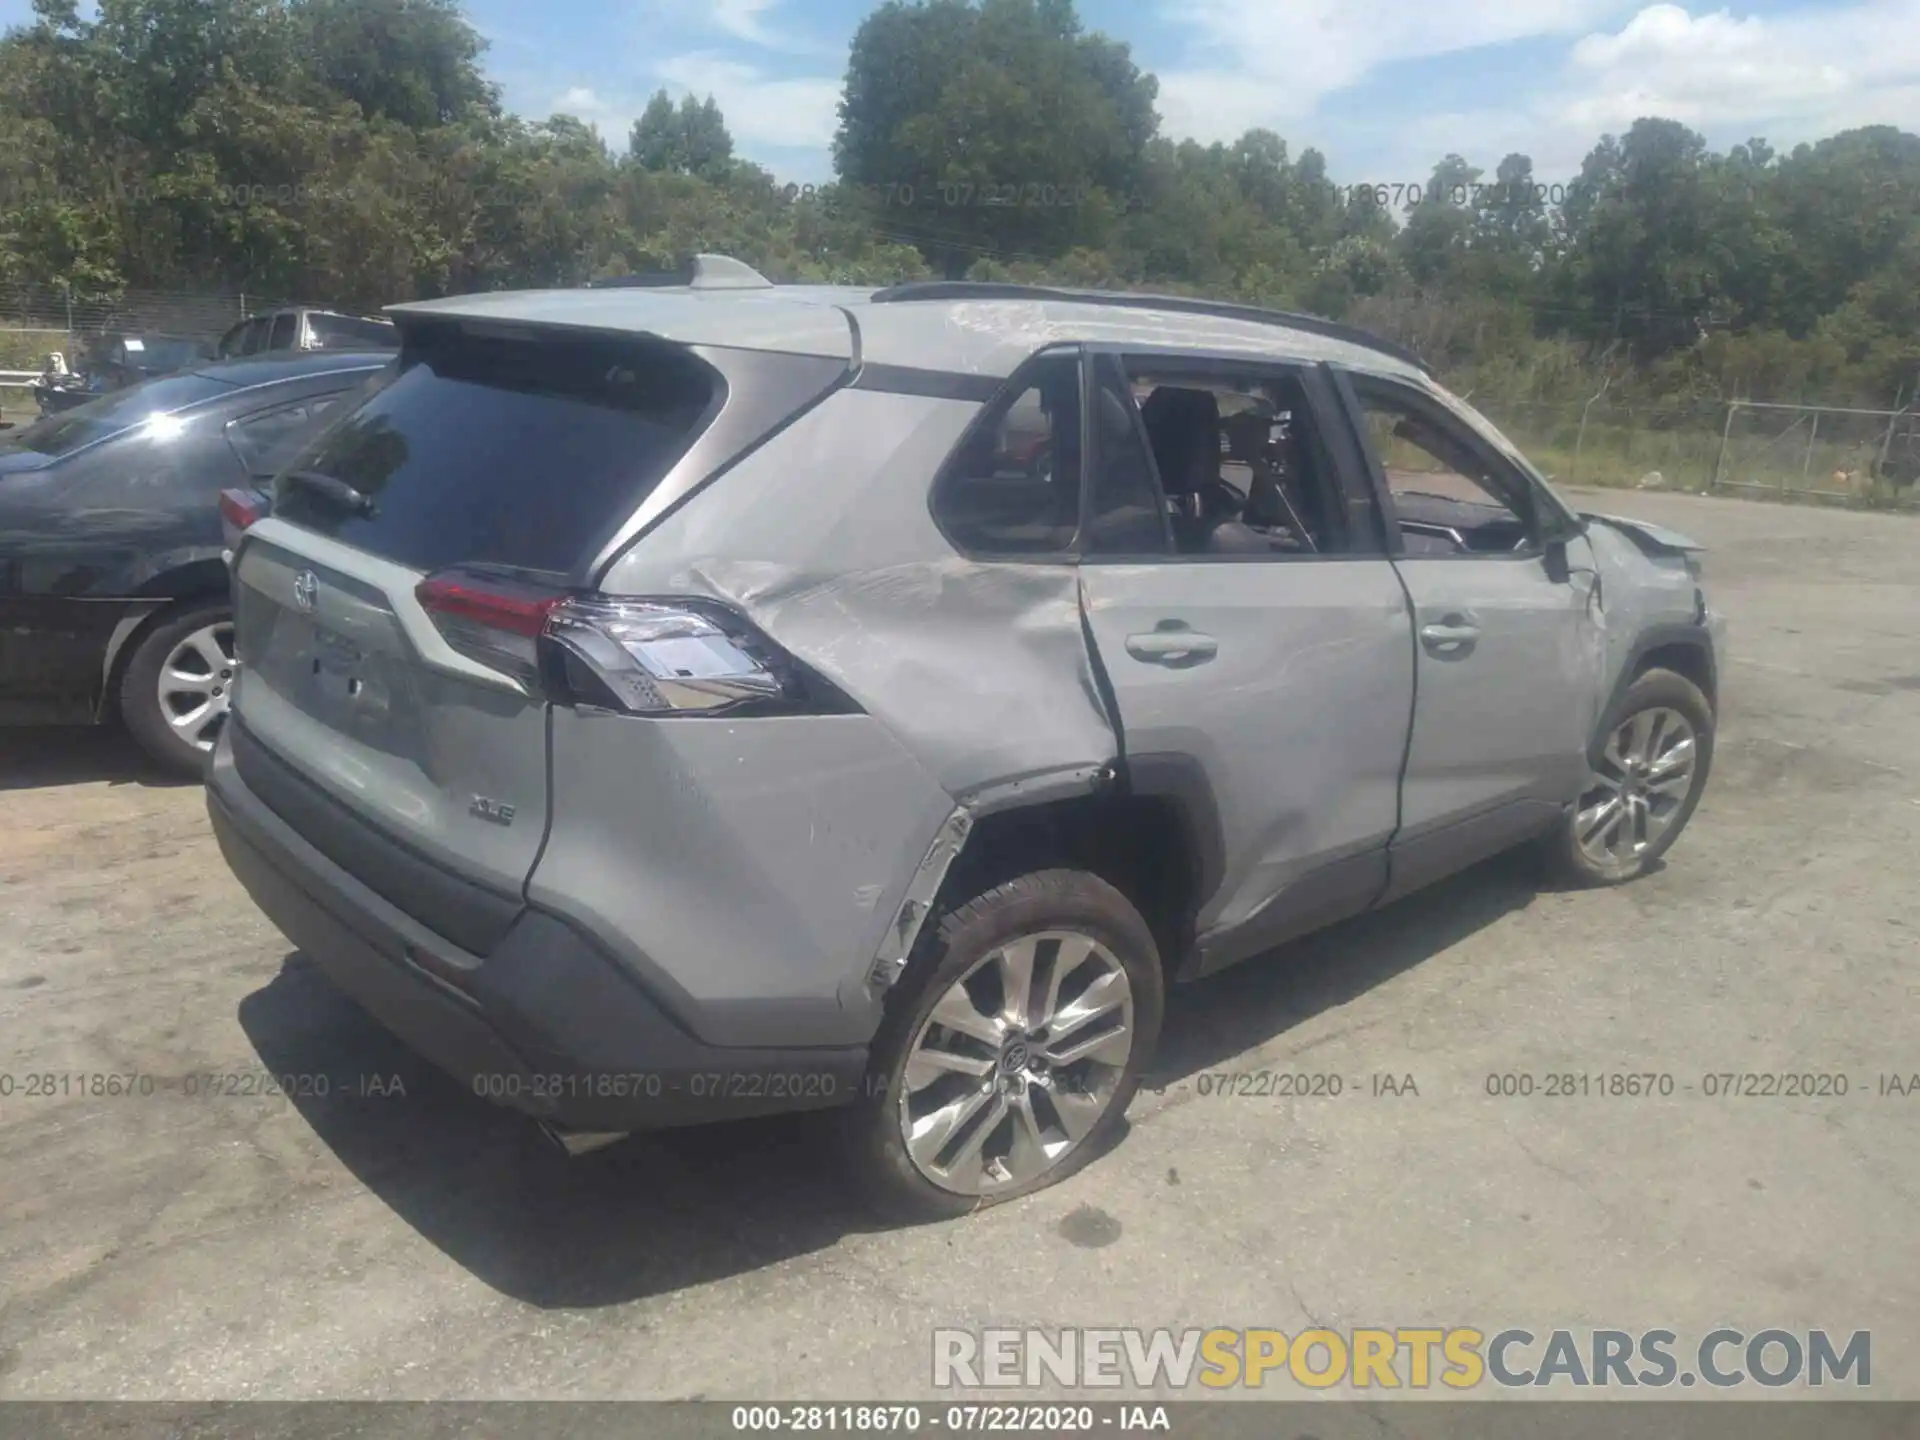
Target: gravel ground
[[370, 1243]]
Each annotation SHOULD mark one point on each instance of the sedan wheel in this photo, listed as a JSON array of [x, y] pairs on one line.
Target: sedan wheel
[[196, 684], [1016, 1063], [177, 685]]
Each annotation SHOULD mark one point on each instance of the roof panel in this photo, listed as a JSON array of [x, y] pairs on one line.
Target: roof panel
[[988, 336], [773, 319]]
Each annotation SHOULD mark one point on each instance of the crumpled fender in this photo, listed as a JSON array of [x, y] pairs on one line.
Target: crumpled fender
[[1653, 539]]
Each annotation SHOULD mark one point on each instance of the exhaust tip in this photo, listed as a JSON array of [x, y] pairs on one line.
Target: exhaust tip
[[581, 1142]]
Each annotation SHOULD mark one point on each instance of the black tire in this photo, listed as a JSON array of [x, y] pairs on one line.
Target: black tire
[[966, 934], [1653, 690], [138, 695]]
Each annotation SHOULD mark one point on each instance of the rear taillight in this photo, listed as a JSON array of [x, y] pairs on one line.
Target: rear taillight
[[657, 657], [493, 618], [644, 657], [239, 508]]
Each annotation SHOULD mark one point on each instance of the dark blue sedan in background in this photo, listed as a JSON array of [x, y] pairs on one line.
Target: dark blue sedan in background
[[113, 590]]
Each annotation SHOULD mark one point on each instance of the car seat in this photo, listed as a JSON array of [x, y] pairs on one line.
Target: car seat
[[1183, 426]]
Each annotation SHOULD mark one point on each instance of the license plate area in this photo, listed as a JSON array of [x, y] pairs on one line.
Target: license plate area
[[345, 681]]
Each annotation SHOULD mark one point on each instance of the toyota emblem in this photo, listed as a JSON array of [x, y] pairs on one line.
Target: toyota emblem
[[306, 590]]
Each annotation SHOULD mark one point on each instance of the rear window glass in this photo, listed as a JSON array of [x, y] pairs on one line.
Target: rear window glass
[[268, 439], [160, 356], [67, 431], [1013, 487], [344, 332], [509, 452]]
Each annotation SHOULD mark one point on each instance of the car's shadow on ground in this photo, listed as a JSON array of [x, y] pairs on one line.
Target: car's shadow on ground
[[660, 1212], [1211, 1021], [36, 756]]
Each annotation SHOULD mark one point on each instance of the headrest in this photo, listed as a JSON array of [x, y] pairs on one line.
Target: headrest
[[1248, 435], [1184, 426], [1170, 406]]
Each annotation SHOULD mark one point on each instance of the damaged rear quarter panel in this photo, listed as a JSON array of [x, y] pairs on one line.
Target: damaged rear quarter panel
[[977, 671], [741, 869], [824, 539]]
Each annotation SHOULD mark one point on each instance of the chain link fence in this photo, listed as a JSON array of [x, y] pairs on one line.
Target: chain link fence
[[37, 321], [193, 313], [1814, 452], [1820, 452], [1599, 442]]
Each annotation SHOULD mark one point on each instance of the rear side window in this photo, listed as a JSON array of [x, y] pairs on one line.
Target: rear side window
[[255, 337], [267, 440], [344, 332], [1013, 487], [525, 453], [285, 328]]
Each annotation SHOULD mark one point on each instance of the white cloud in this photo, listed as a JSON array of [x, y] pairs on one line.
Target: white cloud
[[748, 22], [763, 113], [1788, 76], [1261, 63], [613, 118], [741, 19], [579, 100], [800, 112]]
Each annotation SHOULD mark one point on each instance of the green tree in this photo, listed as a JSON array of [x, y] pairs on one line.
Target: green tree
[[414, 62], [992, 129], [690, 140], [1646, 252], [1440, 227]]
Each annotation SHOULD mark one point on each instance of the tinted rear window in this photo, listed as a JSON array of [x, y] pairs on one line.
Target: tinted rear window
[[344, 332], [68, 430], [510, 452], [160, 356]]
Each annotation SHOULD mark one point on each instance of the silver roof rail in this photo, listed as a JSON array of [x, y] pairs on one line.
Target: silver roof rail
[[1180, 304]]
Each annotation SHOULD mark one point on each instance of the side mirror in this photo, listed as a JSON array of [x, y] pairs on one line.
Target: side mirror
[[1554, 557]]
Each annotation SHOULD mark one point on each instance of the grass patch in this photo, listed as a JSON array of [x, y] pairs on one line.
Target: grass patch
[[28, 349]]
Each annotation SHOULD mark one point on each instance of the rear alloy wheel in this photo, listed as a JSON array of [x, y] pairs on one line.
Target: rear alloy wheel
[[1645, 782], [1012, 1048], [177, 687]]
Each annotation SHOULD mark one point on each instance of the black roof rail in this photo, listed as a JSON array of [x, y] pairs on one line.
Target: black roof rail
[[1183, 304]]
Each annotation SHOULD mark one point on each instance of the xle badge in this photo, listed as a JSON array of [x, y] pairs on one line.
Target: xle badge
[[491, 811]]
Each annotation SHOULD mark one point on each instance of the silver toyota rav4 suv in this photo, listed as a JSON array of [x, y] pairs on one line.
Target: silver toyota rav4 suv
[[695, 700]]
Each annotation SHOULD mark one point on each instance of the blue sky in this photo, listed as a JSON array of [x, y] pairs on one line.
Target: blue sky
[[1382, 87]]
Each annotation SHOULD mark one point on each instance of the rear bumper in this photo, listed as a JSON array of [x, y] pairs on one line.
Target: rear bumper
[[546, 1023]]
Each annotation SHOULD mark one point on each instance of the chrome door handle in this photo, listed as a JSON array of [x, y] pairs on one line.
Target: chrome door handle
[[1169, 645], [1448, 637]]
